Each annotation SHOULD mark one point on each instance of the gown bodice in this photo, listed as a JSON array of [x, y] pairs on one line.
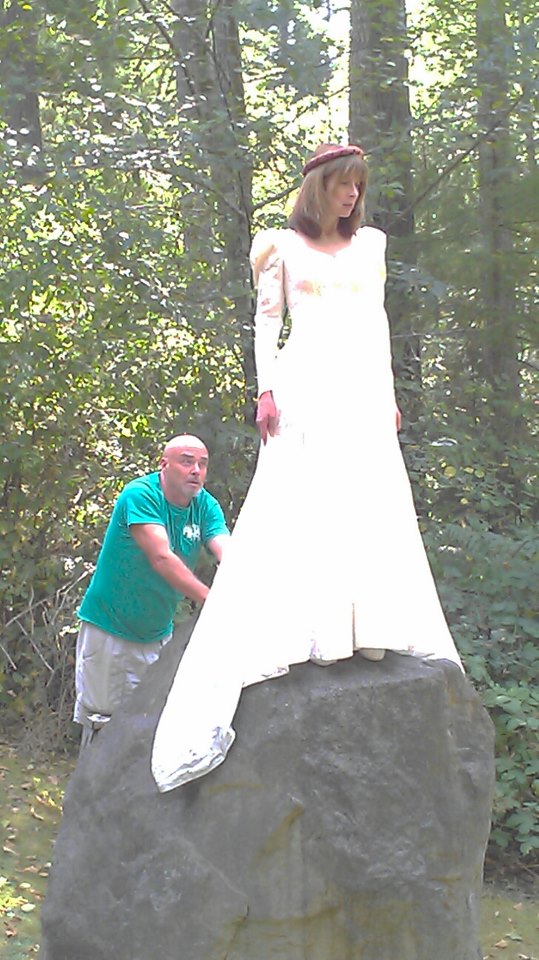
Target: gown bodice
[[339, 340]]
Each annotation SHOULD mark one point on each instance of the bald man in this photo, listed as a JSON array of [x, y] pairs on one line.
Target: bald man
[[146, 566]]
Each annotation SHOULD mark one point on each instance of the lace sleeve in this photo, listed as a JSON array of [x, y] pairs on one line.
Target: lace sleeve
[[267, 266]]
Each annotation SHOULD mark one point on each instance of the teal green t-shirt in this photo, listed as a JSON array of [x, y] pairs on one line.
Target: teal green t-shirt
[[126, 597]]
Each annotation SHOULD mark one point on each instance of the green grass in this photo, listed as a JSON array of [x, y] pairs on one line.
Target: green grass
[[30, 805], [509, 925]]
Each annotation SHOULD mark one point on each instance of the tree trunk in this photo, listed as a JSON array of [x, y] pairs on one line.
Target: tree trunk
[[18, 72], [380, 119], [495, 169], [210, 92]]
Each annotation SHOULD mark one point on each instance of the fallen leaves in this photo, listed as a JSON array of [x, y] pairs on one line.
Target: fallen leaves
[[510, 929], [31, 803], [28, 907]]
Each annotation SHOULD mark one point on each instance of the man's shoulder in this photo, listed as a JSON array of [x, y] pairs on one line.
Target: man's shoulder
[[141, 496], [146, 484]]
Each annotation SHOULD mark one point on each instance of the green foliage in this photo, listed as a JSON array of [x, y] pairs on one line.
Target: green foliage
[[125, 319], [487, 579], [31, 797], [515, 710], [112, 339], [488, 586], [471, 447]]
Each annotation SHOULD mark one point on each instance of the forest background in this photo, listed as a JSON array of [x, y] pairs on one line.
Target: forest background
[[142, 143]]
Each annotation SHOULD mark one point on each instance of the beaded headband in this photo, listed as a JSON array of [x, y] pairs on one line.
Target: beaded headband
[[332, 153]]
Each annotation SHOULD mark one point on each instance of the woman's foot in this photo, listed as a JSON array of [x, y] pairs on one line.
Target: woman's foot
[[371, 654]]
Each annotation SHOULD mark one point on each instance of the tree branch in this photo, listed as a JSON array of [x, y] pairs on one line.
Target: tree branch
[[477, 140], [171, 43]]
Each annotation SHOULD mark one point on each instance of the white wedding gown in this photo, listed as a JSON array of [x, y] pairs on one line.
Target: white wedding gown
[[326, 555]]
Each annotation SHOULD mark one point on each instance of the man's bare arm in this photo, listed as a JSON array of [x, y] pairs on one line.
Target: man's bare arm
[[153, 539], [217, 545]]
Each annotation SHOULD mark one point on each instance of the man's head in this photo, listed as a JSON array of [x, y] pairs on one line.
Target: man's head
[[183, 468]]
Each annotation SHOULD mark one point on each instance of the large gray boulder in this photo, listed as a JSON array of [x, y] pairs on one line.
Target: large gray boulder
[[348, 822]]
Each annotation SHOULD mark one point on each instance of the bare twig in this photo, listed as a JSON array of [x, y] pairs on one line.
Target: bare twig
[[56, 601], [12, 664]]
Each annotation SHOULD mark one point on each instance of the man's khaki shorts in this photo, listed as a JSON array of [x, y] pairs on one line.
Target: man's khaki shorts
[[107, 670]]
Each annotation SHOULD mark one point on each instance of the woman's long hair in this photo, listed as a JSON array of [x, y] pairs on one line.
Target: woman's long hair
[[311, 203]]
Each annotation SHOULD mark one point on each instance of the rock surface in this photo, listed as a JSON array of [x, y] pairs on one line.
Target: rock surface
[[348, 822]]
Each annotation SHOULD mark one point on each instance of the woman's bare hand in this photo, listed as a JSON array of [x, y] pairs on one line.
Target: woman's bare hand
[[266, 416]]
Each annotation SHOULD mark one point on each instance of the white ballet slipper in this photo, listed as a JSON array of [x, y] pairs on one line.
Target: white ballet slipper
[[371, 654]]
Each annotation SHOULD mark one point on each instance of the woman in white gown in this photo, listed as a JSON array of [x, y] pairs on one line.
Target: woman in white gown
[[326, 556]]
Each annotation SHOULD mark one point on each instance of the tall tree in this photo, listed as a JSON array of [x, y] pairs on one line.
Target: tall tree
[[211, 93], [19, 83], [380, 116], [380, 119], [495, 57]]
